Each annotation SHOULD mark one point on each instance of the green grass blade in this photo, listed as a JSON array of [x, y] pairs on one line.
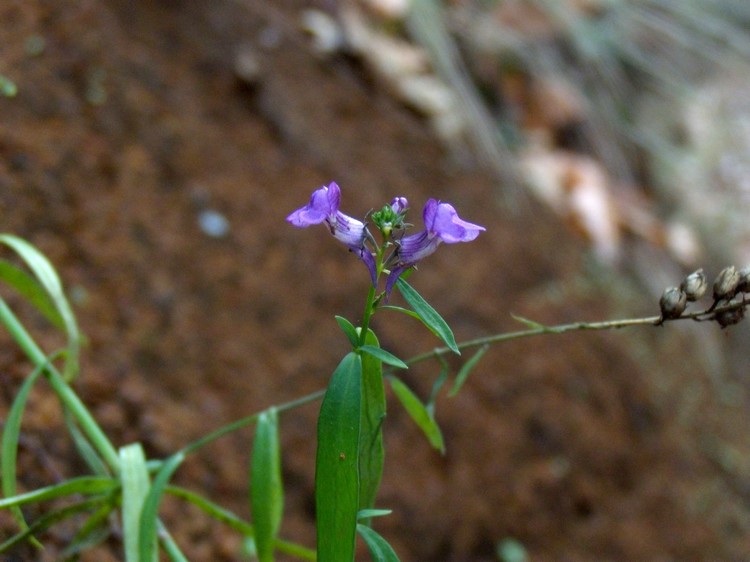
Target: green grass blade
[[382, 355], [63, 390], [87, 452], [49, 280], [9, 445], [149, 522], [266, 487], [428, 315], [371, 452], [336, 463], [49, 519], [135, 488], [169, 546], [94, 531], [28, 288], [84, 485], [419, 413], [466, 369], [379, 548]]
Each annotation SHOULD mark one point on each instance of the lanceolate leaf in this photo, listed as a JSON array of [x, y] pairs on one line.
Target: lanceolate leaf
[[349, 330], [384, 356], [466, 368], [418, 413], [266, 488], [336, 464], [371, 454], [428, 315], [379, 548]]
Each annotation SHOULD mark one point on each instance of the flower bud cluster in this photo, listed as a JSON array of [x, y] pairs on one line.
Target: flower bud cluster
[[730, 288]]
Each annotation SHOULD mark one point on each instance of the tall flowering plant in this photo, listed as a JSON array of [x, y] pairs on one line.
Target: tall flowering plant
[[126, 487], [349, 460]]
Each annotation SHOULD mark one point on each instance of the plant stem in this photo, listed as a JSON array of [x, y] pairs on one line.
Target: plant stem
[[539, 329], [366, 315], [249, 420]]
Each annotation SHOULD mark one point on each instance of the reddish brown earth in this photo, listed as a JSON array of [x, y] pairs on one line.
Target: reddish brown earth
[[130, 121]]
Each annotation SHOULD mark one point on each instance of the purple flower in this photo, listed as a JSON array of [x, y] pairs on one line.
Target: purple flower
[[442, 224], [324, 208]]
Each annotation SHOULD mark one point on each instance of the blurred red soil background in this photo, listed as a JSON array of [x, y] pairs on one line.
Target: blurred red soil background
[[130, 123]]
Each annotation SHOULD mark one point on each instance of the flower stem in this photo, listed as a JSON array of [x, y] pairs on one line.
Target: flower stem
[[367, 314]]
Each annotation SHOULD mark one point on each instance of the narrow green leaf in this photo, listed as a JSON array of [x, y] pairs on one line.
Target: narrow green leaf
[[169, 546], [94, 531], [379, 548], [382, 355], [83, 485], [528, 323], [400, 309], [371, 452], [437, 385], [418, 413], [9, 448], [336, 463], [32, 291], [465, 370], [149, 523], [349, 330], [266, 487], [49, 519], [84, 447], [365, 514], [428, 315], [49, 280], [135, 488]]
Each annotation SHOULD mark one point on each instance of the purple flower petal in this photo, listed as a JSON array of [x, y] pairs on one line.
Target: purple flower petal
[[442, 225], [442, 220], [416, 247], [324, 204], [369, 260], [346, 229], [324, 208]]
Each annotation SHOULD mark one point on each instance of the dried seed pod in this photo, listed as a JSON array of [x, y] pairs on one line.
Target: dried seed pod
[[672, 303], [730, 317], [744, 284], [694, 285], [726, 283]]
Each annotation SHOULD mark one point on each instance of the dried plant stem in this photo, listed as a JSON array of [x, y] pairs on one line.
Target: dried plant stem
[[537, 329]]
